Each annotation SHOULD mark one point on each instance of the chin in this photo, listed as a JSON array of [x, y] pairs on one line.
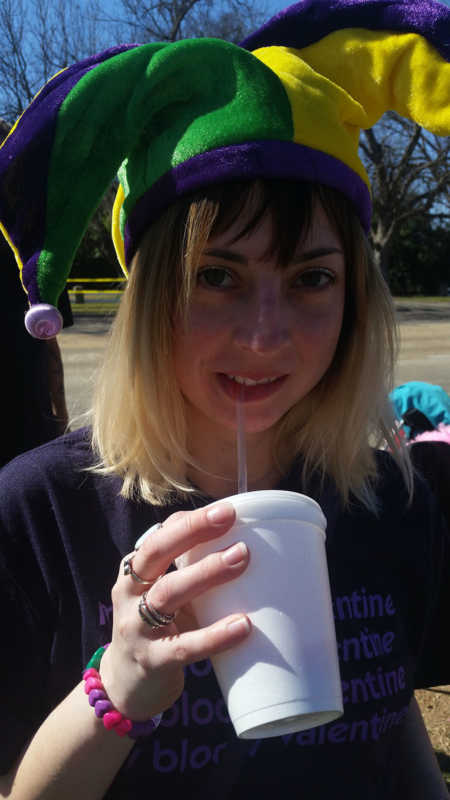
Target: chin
[[253, 426]]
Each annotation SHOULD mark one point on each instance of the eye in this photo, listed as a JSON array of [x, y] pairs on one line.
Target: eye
[[315, 279], [215, 278]]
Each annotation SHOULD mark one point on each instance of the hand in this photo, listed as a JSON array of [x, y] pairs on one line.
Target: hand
[[142, 670]]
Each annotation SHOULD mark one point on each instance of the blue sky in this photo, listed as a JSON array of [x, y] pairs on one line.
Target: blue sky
[[113, 6], [273, 5]]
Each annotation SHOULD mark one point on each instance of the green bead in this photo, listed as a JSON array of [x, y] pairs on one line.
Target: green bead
[[96, 658]]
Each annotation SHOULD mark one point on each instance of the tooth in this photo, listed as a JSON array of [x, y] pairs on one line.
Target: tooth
[[250, 381]]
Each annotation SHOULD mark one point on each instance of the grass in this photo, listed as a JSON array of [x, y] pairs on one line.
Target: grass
[[421, 298]]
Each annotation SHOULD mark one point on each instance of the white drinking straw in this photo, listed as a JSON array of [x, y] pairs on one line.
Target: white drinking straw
[[241, 445]]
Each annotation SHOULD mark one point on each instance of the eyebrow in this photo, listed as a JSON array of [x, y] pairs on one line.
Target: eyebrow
[[307, 255]]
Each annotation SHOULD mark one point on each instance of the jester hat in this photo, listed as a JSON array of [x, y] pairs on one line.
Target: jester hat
[[171, 118]]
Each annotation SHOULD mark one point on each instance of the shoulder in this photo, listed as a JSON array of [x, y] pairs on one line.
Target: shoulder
[[60, 459], [391, 487], [401, 521], [36, 486], [416, 523], [50, 495], [431, 474]]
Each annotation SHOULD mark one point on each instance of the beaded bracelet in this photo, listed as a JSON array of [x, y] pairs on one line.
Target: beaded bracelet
[[104, 709]]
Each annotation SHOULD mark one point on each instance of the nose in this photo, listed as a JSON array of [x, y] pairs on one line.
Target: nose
[[263, 323]]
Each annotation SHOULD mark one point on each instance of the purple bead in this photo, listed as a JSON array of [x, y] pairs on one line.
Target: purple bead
[[102, 707], [43, 321], [96, 694]]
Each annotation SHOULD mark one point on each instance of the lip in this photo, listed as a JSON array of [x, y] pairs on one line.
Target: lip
[[248, 394]]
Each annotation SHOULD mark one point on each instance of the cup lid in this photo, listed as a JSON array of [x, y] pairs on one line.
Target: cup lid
[[277, 504]]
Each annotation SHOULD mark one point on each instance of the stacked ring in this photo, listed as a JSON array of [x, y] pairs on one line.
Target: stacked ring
[[154, 618]]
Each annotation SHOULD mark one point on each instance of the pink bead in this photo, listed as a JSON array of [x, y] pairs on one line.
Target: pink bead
[[92, 683], [123, 727], [90, 673], [111, 719]]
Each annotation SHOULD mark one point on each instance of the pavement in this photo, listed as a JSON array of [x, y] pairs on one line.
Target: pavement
[[424, 351], [82, 347], [424, 343]]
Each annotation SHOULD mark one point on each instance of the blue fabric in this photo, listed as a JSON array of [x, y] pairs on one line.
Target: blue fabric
[[430, 399]]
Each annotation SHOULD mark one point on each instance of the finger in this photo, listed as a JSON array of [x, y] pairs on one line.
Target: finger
[[175, 589], [178, 534], [203, 643]]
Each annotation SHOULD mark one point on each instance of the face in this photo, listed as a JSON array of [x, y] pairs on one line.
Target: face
[[258, 333]]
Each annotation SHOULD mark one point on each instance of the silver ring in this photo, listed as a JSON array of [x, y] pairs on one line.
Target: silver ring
[[154, 618], [128, 570]]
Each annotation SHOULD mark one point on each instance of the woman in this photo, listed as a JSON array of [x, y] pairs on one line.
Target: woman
[[252, 288]]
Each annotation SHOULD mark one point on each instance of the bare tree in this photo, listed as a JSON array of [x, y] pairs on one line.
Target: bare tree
[[40, 37], [169, 20], [5, 128], [409, 169]]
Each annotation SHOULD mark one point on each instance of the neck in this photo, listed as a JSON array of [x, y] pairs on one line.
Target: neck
[[218, 476]]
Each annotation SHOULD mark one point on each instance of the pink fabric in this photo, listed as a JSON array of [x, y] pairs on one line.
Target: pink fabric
[[441, 434]]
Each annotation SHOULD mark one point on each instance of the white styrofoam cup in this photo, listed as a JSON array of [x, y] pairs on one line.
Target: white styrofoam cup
[[285, 676]]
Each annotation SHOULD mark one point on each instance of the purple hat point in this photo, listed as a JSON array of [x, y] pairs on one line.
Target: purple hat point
[[43, 321]]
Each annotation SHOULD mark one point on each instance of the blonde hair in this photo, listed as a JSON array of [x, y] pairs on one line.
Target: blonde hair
[[139, 425]]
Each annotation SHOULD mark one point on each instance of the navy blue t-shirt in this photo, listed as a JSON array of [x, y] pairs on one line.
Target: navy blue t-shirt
[[63, 533]]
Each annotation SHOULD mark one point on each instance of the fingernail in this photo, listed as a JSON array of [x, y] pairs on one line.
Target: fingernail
[[235, 554], [239, 625], [220, 514]]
